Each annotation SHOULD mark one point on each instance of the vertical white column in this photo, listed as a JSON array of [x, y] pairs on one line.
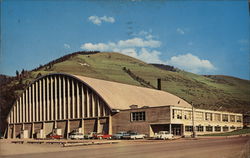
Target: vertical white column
[[11, 115], [48, 99], [44, 101], [88, 103], [56, 105], [33, 102], [30, 119], [60, 97], [77, 101], [15, 113], [52, 98], [83, 100], [68, 98], [93, 105], [18, 110], [36, 103], [98, 106], [104, 110], [23, 110], [64, 98], [40, 101], [26, 105], [73, 99]]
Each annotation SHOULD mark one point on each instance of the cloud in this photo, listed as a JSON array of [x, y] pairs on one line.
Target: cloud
[[191, 63], [129, 43], [98, 20], [146, 50], [67, 46], [180, 31]]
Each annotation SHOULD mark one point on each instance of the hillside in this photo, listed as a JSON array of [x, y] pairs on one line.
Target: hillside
[[209, 92]]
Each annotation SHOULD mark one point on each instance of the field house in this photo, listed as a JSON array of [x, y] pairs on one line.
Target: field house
[[69, 102]]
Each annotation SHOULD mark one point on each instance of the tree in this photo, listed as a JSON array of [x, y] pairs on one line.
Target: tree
[[17, 73]]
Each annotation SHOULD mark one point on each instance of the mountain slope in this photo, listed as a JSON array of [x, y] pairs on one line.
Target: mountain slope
[[209, 92]]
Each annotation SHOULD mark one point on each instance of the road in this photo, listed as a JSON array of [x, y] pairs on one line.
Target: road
[[201, 148]]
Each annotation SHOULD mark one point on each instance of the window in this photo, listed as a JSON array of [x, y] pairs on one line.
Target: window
[[199, 116], [209, 128], [217, 117], [138, 116], [238, 119], [224, 118], [232, 118], [187, 115], [217, 128], [208, 116], [232, 127], [225, 128], [177, 114], [188, 128], [199, 128]]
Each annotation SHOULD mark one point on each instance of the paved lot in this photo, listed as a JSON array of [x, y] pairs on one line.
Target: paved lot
[[201, 148]]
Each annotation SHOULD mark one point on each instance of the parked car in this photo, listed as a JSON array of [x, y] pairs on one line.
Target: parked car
[[163, 135], [90, 135], [55, 136], [76, 136], [134, 135], [103, 136], [119, 135]]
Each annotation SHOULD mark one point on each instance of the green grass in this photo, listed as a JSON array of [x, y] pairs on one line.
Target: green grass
[[205, 92], [236, 132]]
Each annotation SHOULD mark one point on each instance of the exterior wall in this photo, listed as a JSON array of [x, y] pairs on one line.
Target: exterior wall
[[201, 119], [56, 98], [122, 120]]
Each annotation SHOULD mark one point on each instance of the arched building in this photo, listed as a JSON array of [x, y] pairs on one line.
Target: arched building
[[70, 102]]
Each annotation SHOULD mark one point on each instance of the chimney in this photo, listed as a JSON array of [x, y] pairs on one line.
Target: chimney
[[158, 83]]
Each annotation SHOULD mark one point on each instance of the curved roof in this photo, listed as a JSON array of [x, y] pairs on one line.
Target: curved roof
[[121, 96]]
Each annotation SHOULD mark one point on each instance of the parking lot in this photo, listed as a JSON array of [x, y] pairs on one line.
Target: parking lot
[[206, 148]]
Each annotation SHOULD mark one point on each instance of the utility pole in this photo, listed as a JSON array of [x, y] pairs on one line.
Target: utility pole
[[194, 134]]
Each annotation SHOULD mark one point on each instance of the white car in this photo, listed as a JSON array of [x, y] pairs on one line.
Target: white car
[[163, 135], [76, 136], [134, 135]]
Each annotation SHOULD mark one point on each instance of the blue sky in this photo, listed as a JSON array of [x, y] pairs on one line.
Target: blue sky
[[204, 37]]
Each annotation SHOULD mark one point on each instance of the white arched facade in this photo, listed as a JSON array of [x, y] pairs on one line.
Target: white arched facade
[[56, 98]]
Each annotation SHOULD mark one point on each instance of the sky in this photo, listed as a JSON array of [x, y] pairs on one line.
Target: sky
[[199, 36]]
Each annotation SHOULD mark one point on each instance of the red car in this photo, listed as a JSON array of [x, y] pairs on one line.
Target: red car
[[103, 136], [55, 136]]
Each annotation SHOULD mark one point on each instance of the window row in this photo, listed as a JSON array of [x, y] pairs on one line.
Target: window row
[[210, 128], [188, 115]]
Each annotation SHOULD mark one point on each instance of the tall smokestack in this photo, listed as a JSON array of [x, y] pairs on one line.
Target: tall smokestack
[[158, 83]]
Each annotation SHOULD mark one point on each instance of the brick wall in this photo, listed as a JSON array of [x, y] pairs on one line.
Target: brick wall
[[122, 121]]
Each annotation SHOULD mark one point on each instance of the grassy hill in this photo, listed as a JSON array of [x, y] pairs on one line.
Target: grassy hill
[[208, 92]]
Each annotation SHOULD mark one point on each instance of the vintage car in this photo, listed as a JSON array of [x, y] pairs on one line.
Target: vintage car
[[54, 136], [163, 135], [90, 135], [134, 135], [119, 135], [76, 136], [103, 136]]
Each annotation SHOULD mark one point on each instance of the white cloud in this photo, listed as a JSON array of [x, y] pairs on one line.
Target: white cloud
[[98, 20], [122, 44], [191, 63], [180, 31], [67, 46], [146, 50]]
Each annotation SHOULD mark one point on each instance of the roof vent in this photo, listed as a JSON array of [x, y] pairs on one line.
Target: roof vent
[[133, 106]]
